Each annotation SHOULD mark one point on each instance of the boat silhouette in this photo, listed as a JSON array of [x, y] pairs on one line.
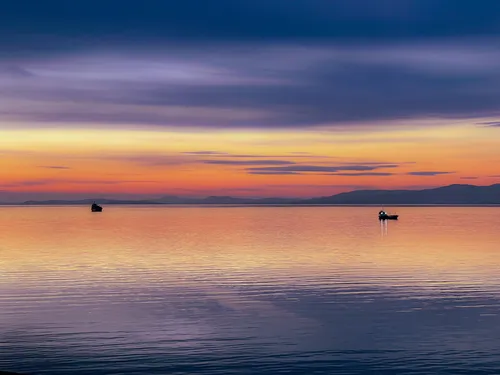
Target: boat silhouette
[[382, 215], [95, 208]]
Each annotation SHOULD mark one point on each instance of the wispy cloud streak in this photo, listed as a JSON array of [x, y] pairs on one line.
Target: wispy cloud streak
[[428, 173], [320, 168], [248, 162], [62, 167]]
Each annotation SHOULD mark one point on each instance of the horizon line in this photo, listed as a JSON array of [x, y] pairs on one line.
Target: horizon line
[[151, 200]]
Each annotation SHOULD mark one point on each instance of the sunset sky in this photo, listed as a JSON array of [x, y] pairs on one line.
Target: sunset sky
[[254, 98]]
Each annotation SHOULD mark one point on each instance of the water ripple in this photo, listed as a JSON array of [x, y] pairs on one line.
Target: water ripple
[[249, 291]]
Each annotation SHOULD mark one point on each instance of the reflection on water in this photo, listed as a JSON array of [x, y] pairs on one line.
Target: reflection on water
[[246, 290], [384, 227]]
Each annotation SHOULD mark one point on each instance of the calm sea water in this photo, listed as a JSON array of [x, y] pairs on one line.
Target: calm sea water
[[249, 290]]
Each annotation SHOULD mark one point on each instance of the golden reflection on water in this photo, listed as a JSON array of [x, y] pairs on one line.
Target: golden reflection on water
[[261, 241]]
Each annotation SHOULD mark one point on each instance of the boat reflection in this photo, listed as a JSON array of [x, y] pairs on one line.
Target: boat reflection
[[384, 224]]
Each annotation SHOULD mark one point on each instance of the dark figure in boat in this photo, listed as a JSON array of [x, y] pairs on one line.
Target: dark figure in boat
[[382, 215], [96, 208]]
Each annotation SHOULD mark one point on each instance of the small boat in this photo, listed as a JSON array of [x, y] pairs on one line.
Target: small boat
[[382, 215], [95, 208]]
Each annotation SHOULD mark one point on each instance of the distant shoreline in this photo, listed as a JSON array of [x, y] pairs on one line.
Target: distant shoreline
[[450, 196], [251, 205]]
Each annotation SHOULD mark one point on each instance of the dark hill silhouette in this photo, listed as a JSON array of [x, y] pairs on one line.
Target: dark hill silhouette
[[452, 194], [446, 195]]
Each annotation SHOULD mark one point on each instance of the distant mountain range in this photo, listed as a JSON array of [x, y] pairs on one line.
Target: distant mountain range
[[452, 194], [446, 195]]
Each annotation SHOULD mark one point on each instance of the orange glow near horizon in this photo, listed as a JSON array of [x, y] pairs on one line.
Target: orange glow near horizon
[[226, 239], [159, 162]]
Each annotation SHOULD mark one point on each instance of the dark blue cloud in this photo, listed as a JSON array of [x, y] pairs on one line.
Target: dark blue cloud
[[382, 174], [428, 173], [108, 22], [14, 71], [493, 124], [54, 167], [320, 168], [248, 162], [279, 173], [254, 88], [241, 63]]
